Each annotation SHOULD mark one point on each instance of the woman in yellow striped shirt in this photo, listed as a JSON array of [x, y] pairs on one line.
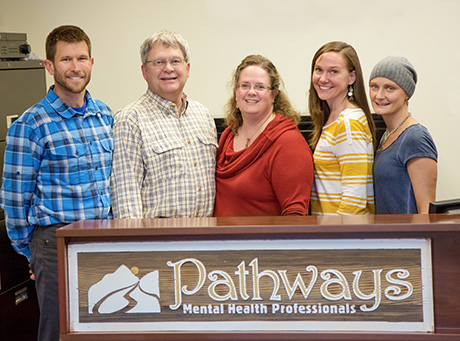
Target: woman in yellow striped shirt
[[344, 133]]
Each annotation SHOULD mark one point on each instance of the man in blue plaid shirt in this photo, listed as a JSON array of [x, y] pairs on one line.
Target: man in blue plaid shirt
[[57, 166]]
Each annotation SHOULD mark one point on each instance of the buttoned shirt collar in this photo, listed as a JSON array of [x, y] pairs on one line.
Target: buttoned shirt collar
[[167, 106], [67, 112]]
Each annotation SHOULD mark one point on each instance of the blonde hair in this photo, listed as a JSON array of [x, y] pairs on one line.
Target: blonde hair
[[281, 104]]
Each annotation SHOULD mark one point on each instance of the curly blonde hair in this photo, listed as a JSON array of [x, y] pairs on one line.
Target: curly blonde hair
[[281, 104]]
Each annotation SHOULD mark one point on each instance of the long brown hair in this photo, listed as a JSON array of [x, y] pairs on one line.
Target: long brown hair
[[319, 109], [281, 104]]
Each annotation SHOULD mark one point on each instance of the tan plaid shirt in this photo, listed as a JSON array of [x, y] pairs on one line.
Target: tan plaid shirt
[[163, 163]]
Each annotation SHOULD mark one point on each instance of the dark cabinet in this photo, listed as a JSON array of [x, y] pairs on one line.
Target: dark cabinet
[[22, 84]]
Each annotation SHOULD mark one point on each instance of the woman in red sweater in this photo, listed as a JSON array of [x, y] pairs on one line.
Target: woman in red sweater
[[264, 165]]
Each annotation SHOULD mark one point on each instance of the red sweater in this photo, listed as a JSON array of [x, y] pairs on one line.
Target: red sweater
[[273, 176]]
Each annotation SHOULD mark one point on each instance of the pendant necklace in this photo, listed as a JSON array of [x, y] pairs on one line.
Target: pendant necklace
[[386, 135], [263, 125]]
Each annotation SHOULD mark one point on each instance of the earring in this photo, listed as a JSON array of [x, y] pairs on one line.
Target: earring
[[350, 93]]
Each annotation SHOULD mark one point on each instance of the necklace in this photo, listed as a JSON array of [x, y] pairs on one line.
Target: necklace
[[386, 135], [255, 134]]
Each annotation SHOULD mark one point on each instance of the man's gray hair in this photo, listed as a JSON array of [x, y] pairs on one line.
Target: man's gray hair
[[166, 38]]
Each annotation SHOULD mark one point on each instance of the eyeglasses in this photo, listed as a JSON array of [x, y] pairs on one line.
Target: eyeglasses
[[160, 63], [257, 87]]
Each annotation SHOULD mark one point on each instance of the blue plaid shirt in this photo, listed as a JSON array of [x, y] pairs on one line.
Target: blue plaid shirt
[[57, 167]]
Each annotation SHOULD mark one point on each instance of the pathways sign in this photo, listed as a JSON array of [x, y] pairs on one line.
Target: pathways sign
[[257, 285]]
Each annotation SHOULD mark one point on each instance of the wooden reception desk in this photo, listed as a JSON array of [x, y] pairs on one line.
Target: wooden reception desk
[[392, 277]]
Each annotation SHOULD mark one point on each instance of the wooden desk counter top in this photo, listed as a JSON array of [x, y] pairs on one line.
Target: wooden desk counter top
[[420, 223], [442, 229]]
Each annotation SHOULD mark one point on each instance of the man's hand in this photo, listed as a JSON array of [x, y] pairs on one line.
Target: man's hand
[[32, 276]]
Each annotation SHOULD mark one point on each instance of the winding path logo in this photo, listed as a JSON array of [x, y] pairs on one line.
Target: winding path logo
[[115, 291]]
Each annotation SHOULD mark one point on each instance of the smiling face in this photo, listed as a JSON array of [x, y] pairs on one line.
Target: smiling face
[[331, 78], [250, 101], [168, 81], [387, 97], [71, 70]]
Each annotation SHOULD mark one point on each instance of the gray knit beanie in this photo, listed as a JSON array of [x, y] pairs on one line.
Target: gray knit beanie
[[398, 70]]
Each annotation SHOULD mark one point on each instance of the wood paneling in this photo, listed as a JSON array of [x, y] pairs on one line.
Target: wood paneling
[[442, 230]]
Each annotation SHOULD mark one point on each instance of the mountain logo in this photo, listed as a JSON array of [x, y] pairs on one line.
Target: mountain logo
[[116, 290]]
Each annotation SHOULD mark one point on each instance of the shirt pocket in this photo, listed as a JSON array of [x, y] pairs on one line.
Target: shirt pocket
[[63, 165], [208, 150], [166, 159], [105, 153], [207, 140], [107, 145], [102, 151]]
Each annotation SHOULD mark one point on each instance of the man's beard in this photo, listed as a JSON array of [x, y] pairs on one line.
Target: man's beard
[[73, 88]]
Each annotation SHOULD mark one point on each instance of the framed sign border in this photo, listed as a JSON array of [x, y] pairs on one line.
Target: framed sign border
[[424, 245]]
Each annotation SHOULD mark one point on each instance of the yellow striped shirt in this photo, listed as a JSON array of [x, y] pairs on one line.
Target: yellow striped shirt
[[343, 162]]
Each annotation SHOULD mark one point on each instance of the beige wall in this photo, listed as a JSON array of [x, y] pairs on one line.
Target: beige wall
[[288, 32]]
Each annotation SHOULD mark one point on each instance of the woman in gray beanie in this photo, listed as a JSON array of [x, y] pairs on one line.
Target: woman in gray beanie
[[405, 165]]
